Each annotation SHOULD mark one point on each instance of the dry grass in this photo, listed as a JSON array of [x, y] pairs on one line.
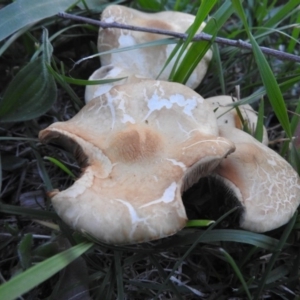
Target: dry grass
[[201, 263]]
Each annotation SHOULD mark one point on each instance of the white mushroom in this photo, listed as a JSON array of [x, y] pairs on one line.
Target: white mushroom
[[147, 62], [109, 72], [139, 145], [266, 186], [227, 115]]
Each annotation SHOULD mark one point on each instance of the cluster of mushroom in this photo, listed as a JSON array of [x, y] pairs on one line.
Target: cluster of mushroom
[[142, 142]]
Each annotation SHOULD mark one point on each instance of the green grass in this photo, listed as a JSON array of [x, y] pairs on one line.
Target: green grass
[[213, 260]]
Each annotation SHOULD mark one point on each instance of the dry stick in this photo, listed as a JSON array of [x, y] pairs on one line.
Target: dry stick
[[198, 37]]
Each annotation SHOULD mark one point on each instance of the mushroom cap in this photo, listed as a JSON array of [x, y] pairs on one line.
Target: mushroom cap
[[139, 145], [228, 116], [109, 72], [267, 187], [148, 61]]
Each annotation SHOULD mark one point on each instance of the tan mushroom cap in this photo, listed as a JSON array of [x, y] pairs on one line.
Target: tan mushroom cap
[[109, 72], [228, 116], [140, 145], [148, 61], [265, 184]]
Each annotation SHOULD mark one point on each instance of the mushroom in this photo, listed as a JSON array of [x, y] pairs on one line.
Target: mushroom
[[265, 185], [227, 114], [109, 72], [148, 61], [139, 146]]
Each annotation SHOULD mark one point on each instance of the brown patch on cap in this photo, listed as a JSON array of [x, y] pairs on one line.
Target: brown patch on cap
[[133, 144]]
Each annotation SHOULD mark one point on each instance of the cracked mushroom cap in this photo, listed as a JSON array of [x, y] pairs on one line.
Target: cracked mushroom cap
[[139, 145], [267, 187], [147, 61], [109, 72], [228, 116]]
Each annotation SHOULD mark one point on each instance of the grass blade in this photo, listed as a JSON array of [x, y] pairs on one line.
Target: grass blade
[[275, 255], [279, 16], [58, 77], [119, 274], [259, 130], [179, 75], [11, 138], [60, 165], [32, 91], [267, 76], [0, 174], [237, 271], [195, 243], [28, 212], [25, 12], [219, 67], [88, 82], [295, 36], [163, 275], [24, 251], [294, 127], [199, 223], [32, 277], [43, 171], [226, 235], [197, 50]]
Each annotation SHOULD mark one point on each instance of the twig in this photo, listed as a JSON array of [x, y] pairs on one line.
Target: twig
[[198, 37]]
